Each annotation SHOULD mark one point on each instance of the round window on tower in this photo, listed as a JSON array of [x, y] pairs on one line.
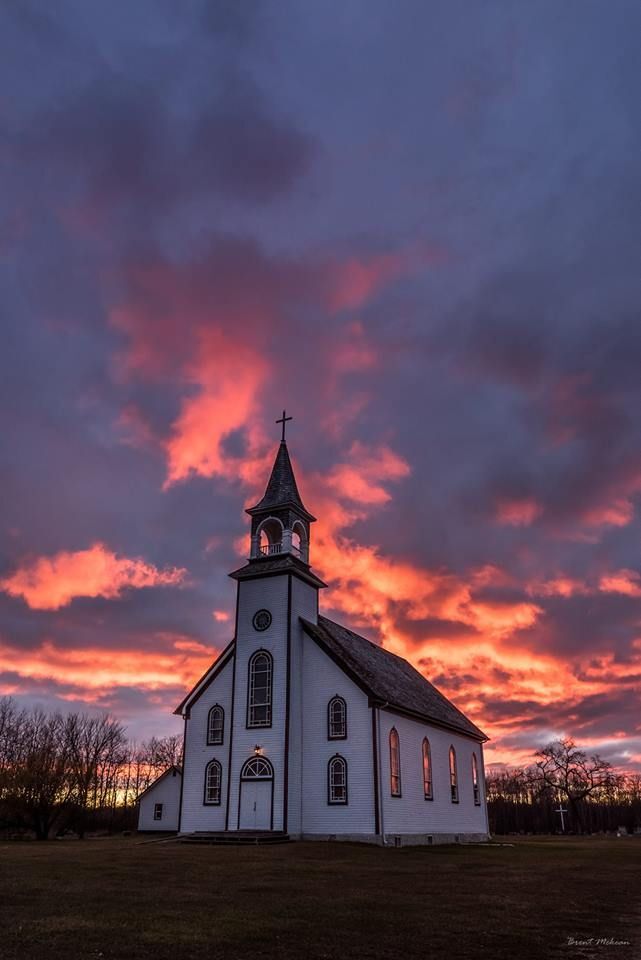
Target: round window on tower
[[262, 620]]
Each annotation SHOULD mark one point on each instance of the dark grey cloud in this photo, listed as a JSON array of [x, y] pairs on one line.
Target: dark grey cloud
[[209, 165]]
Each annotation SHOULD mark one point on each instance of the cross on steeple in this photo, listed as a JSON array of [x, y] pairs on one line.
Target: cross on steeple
[[283, 420]]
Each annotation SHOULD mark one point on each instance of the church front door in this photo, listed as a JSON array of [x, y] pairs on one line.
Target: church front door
[[255, 805]]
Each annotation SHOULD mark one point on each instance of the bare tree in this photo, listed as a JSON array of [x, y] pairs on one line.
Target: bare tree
[[96, 749], [39, 782], [163, 753], [572, 774]]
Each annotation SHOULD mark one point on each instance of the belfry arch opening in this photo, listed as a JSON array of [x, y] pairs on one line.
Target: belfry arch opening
[[300, 545], [270, 537]]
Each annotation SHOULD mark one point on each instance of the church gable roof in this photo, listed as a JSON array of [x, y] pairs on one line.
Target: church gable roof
[[281, 488], [387, 677], [208, 676]]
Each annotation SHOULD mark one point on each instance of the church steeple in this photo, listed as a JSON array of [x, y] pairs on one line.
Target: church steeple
[[280, 521], [281, 489]]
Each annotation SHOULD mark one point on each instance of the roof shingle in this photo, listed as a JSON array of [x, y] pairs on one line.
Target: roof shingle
[[388, 678], [281, 487]]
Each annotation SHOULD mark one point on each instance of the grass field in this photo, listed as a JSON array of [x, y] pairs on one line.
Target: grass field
[[118, 898]]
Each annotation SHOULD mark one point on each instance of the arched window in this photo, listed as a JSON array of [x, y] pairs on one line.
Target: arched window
[[257, 768], [215, 724], [475, 781], [213, 777], [453, 776], [259, 694], [336, 719], [395, 762], [337, 780], [427, 770]]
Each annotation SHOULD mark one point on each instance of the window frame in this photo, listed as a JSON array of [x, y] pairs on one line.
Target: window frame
[[454, 791], [476, 785], [252, 762], [215, 765], [428, 781], [249, 723], [333, 762], [396, 789], [158, 808], [210, 740], [337, 699]]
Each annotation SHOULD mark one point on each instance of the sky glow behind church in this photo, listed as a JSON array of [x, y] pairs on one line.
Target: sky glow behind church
[[416, 225]]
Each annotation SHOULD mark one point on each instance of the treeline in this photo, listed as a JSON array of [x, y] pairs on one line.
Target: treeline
[[73, 772], [80, 773], [524, 801]]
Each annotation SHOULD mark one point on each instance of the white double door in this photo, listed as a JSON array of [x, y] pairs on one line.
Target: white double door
[[255, 805]]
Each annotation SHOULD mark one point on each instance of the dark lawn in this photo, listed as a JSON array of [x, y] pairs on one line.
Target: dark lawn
[[118, 898]]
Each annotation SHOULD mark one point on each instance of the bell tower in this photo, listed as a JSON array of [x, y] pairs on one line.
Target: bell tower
[[276, 588], [280, 522]]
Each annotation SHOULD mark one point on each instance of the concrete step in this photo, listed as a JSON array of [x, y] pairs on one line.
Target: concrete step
[[234, 837]]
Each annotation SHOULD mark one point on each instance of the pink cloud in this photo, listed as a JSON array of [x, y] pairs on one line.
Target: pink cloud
[[48, 583], [518, 511], [623, 581]]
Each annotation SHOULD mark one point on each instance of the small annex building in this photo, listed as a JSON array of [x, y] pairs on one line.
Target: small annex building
[[304, 727], [159, 804]]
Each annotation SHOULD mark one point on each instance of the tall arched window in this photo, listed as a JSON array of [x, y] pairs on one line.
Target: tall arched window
[[337, 780], [259, 694], [336, 719], [213, 777], [395, 762], [427, 770], [475, 781], [453, 776], [215, 724]]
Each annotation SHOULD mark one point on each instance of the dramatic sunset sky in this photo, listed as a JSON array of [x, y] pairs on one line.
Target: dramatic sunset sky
[[417, 226]]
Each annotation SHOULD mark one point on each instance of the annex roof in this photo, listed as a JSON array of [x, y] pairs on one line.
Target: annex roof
[[387, 678], [177, 771]]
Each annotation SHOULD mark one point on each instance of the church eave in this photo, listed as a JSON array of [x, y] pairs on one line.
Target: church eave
[[260, 567], [427, 718], [297, 507]]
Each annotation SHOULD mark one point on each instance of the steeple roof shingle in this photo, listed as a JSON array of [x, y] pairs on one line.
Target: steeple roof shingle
[[281, 488]]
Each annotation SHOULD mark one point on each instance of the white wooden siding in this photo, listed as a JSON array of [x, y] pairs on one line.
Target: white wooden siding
[[268, 593], [411, 813], [196, 815], [165, 790], [323, 679], [304, 604]]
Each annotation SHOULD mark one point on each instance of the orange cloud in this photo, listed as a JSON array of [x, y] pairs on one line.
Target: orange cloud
[[560, 586], [619, 513], [49, 583], [360, 478], [172, 661], [622, 581], [228, 377]]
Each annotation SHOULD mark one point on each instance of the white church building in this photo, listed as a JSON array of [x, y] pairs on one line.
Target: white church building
[[302, 727]]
